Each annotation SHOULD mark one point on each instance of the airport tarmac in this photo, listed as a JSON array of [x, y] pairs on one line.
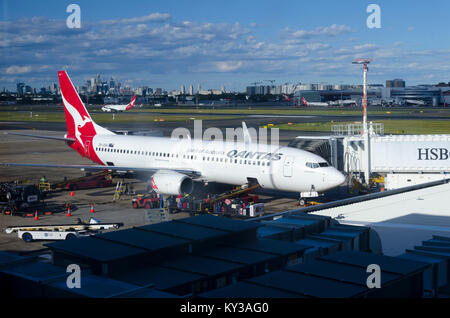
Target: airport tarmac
[[22, 149]]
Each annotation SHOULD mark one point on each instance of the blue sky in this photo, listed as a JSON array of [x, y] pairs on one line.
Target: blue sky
[[232, 43]]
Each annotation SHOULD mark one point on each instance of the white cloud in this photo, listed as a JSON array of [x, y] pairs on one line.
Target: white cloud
[[228, 66], [152, 17], [15, 69], [331, 30]]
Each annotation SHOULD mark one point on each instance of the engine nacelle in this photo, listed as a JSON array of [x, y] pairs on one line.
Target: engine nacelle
[[171, 183]]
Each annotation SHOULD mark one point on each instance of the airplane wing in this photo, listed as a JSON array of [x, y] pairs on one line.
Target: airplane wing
[[40, 136], [191, 173]]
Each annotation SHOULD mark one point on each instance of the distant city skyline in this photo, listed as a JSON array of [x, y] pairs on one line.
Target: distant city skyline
[[233, 44]]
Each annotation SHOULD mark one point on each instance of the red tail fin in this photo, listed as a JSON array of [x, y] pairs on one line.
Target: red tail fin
[[78, 120], [131, 104], [304, 101]]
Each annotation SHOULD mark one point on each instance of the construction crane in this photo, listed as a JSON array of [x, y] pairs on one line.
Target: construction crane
[[271, 81], [256, 83]]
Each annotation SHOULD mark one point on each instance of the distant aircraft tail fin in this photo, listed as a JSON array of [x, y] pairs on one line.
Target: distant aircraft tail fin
[[131, 104], [304, 101]]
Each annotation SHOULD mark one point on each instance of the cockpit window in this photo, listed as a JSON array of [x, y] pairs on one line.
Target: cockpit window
[[312, 165]]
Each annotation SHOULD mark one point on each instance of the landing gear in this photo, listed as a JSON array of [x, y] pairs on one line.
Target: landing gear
[[302, 202]]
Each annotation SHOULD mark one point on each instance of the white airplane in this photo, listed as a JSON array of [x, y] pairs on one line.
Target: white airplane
[[306, 103], [172, 165], [119, 108]]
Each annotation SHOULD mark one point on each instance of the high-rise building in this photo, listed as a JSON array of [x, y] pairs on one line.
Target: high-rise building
[[395, 83], [20, 88], [199, 88], [183, 90], [191, 90]]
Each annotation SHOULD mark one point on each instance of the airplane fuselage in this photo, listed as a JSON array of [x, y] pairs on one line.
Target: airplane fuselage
[[280, 168], [114, 108]]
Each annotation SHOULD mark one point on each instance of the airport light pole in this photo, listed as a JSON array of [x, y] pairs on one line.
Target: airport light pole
[[365, 131]]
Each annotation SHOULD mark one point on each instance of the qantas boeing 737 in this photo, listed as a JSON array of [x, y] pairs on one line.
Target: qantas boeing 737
[[172, 164], [119, 108], [319, 104]]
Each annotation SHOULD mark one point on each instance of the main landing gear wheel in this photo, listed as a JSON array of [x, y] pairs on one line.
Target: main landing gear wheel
[[302, 201]]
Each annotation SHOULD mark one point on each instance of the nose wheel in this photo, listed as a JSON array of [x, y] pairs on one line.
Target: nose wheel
[[302, 202]]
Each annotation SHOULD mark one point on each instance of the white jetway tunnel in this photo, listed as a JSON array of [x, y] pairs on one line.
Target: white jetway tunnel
[[404, 160]]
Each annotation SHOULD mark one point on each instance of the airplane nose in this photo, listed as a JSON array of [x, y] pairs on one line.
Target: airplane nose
[[337, 178]]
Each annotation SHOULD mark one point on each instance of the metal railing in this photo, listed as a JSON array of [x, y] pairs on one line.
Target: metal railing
[[356, 129]]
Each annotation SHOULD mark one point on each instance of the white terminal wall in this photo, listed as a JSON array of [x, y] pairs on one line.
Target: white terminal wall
[[401, 220]]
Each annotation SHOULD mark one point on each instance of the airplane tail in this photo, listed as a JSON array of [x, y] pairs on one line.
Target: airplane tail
[[131, 104], [304, 101], [79, 122]]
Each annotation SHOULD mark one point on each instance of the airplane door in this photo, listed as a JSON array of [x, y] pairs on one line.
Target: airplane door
[[288, 166]]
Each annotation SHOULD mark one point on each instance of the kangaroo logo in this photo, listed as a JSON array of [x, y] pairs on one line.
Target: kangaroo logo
[[79, 121]]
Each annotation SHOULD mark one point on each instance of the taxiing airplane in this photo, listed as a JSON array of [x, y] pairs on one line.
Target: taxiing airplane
[[306, 103], [172, 165], [119, 108]]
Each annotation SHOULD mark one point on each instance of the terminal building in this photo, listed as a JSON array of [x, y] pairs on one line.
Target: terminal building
[[381, 96]]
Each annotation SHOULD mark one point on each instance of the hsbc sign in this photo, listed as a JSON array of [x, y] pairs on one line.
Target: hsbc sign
[[433, 153], [407, 154]]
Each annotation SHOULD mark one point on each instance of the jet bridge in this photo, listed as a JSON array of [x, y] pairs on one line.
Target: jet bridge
[[403, 160]]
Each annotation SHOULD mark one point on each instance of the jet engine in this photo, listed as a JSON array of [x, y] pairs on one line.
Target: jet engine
[[171, 183]]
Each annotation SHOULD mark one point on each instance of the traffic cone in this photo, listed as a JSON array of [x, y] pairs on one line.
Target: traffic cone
[[36, 216], [92, 208], [68, 211]]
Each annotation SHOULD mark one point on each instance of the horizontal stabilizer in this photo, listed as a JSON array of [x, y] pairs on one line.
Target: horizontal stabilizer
[[40, 136]]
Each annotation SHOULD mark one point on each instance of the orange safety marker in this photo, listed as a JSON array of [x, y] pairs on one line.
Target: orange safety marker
[[68, 212], [92, 208], [36, 216]]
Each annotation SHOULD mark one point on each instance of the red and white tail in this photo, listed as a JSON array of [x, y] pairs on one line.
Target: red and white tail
[[304, 101], [131, 104], [78, 121]]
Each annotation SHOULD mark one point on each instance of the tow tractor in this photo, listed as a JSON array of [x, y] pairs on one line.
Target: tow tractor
[[31, 233], [149, 201]]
